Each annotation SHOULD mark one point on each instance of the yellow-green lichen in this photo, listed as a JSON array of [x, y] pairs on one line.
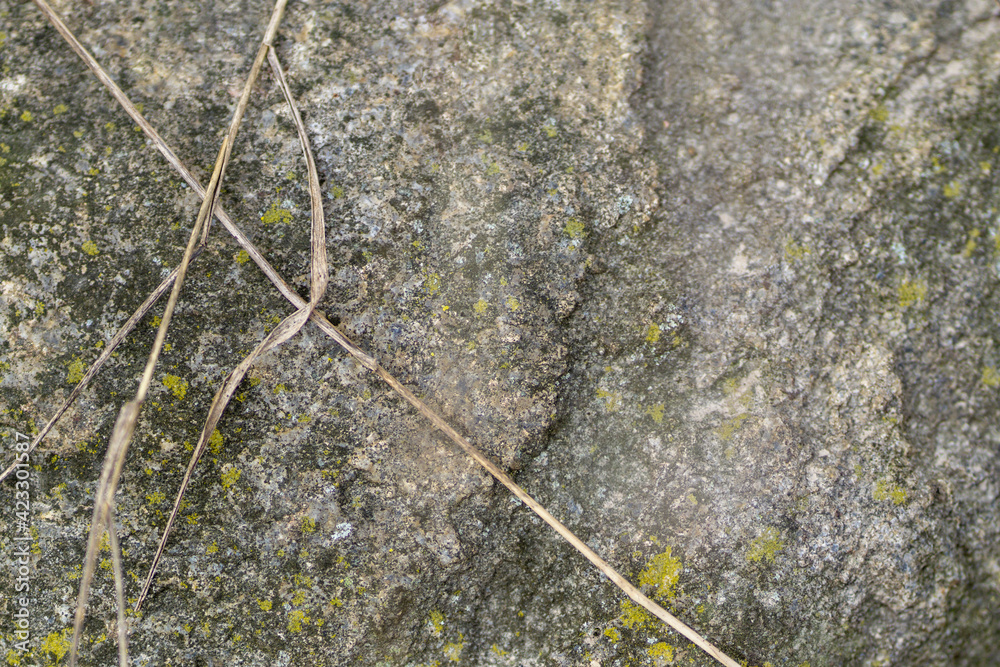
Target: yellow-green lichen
[[215, 442], [613, 634], [661, 651], [952, 190], [156, 497], [76, 371], [766, 546], [265, 605], [729, 427], [970, 244], [435, 622], [59, 109], [453, 650], [337, 192], [241, 257], [612, 399], [513, 304], [90, 248], [656, 412], [885, 490], [796, 251], [308, 524], [27, 117], [493, 169], [432, 283], [662, 572], [275, 214], [57, 644], [230, 477], [574, 228], [296, 619], [910, 292], [177, 385], [633, 616], [653, 333], [991, 377], [880, 113], [480, 307]]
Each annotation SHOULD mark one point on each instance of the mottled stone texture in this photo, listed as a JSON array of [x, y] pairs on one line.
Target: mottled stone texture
[[717, 282]]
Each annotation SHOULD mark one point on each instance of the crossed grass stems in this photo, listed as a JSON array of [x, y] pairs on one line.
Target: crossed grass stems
[[103, 519]]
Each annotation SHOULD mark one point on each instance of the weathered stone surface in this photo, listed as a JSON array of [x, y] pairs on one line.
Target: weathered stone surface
[[717, 283]]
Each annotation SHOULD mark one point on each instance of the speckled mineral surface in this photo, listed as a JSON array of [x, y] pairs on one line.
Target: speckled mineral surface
[[717, 282]]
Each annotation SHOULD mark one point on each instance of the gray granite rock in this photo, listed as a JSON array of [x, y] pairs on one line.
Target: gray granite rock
[[717, 283]]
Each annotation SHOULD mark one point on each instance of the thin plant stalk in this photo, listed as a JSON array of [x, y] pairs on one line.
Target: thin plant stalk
[[103, 518], [103, 509], [121, 436], [116, 563], [319, 276]]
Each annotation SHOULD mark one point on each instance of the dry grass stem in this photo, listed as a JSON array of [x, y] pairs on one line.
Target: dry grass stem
[[121, 436], [104, 509], [116, 563], [319, 272], [102, 520]]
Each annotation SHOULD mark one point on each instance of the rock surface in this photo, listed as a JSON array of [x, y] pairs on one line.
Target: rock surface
[[716, 282]]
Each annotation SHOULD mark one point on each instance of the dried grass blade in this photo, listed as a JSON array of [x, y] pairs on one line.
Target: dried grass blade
[[285, 330], [319, 272], [116, 562], [241, 106], [121, 435], [103, 509], [116, 92], [125, 427]]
